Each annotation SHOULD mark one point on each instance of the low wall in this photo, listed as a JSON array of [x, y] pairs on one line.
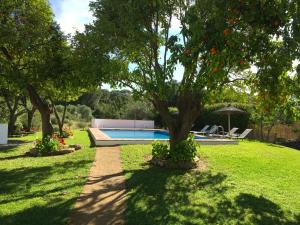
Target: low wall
[[3, 133], [112, 123]]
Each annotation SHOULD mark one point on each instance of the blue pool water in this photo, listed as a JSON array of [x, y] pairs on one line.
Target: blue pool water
[[138, 134]]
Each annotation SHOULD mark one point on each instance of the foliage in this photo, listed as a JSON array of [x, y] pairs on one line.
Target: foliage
[[36, 56], [214, 43], [85, 112], [185, 150], [267, 112], [116, 104], [160, 150], [47, 145], [241, 121], [139, 110], [67, 132]]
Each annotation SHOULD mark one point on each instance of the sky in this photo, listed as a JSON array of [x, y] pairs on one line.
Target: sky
[[72, 15]]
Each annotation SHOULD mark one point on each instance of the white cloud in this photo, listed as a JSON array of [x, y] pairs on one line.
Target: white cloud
[[74, 14]]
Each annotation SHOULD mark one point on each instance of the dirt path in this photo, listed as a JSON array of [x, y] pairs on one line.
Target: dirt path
[[102, 200]]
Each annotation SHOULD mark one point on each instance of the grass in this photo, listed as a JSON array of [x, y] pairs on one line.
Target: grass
[[252, 183], [43, 190]]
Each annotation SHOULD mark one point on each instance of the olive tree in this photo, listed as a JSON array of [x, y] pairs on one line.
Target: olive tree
[[36, 56]]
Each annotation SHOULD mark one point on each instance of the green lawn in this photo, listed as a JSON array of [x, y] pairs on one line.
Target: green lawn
[[41, 191], [252, 183]]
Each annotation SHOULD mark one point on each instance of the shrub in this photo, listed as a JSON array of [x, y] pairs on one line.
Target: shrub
[[46, 146], [81, 125], [185, 150], [85, 112], [67, 132], [160, 150]]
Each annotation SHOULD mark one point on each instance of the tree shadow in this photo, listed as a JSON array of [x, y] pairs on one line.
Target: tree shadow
[[159, 196], [13, 157], [56, 200], [55, 212], [12, 145], [22, 178]]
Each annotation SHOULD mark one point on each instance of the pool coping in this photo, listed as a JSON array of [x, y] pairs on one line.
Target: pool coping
[[101, 139]]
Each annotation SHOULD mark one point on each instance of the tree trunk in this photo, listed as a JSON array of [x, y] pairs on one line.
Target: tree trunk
[[47, 128], [60, 121], [261, 128], [12, 123], [43, 108], [12, 105], [179, 125], [30, 115]]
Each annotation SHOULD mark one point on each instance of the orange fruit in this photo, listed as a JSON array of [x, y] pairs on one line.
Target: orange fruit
[[226, 32], [213, 51]]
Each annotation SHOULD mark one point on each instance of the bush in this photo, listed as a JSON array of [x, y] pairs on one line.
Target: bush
[[46, 146], [185, 150], [85, 112], [81, 125], [160, 150], [67, 132]]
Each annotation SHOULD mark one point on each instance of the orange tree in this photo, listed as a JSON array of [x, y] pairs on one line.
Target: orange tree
[[211, 40]]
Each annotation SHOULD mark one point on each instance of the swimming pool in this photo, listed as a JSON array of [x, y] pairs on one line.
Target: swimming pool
[[124, 136], [139, 134]]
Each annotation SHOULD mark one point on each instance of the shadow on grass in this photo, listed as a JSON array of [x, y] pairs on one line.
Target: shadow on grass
[[23, 186], [55, 212], [158, 196], [12, 145]]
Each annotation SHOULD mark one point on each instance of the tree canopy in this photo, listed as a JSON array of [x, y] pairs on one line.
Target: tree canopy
[[35, 56], [210, 42]]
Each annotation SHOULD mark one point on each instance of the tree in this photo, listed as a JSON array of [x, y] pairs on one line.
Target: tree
[[266, 110], [36, 56], [12, 99], [12, 102], [215, 41], [30, 110]]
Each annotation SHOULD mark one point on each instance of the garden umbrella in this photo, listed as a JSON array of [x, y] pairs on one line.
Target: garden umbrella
[[229, 111]]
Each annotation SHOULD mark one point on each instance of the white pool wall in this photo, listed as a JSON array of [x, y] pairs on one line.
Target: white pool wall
[[3, 134], [114, 123]]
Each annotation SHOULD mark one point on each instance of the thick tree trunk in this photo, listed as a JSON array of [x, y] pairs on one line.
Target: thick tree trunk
[[12, 123], [47, 128], [43, 108], [179, 125]]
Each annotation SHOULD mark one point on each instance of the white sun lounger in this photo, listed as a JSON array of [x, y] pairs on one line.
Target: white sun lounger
[[231, 132], [202, 131], [242, 135]]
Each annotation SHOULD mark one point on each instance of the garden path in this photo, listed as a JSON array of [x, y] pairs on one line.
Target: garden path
[[103, 198]]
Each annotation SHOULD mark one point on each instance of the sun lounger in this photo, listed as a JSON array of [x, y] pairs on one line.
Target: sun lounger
[[202, 131], [242, 135]]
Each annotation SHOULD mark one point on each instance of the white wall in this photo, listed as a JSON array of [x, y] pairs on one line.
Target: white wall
[[112, 123], [3, 133]]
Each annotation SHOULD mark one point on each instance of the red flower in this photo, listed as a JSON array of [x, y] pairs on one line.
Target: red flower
[[62, 141]]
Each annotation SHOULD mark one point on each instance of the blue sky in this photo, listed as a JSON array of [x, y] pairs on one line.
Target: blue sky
[[71, 14]]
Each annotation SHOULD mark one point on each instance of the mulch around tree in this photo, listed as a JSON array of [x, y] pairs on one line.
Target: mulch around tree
[[102, 200]]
